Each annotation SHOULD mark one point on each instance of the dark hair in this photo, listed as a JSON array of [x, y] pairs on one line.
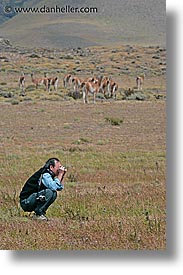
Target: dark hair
[[51, 161]]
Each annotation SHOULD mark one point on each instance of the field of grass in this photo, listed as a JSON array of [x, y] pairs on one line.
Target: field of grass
[[115, 151]]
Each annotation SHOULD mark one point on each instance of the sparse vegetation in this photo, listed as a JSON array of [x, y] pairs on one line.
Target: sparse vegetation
[[115, 195], [114, 121]]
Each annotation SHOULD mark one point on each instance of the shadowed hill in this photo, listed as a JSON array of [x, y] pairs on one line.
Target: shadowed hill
[[119, 21]]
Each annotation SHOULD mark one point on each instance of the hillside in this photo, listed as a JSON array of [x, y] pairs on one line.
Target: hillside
[[5, 16], [122, 21]]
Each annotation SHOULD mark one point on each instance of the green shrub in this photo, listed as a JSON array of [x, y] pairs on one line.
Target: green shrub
[[114, 121]]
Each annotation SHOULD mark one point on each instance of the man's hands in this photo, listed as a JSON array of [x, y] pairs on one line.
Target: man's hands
[[62, 171]]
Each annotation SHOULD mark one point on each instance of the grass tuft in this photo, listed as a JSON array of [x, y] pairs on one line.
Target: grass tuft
[[114, 121]]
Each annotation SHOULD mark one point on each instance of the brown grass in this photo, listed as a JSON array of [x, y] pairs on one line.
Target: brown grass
[[115, 192]]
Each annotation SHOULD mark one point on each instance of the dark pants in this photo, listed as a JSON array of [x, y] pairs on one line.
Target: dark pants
[[39, 207]]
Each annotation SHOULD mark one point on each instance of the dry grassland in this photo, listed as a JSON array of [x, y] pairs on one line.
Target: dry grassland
[[115, 151]]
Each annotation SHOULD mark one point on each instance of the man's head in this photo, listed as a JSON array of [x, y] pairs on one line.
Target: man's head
[[53, 164]]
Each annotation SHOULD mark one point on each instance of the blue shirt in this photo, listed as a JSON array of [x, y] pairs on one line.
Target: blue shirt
[[53, 184]]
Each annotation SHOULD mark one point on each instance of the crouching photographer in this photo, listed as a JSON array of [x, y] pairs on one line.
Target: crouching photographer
[[40, 190]]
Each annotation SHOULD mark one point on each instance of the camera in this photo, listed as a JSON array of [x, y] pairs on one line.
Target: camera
[[62, 168], [41, 198]]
